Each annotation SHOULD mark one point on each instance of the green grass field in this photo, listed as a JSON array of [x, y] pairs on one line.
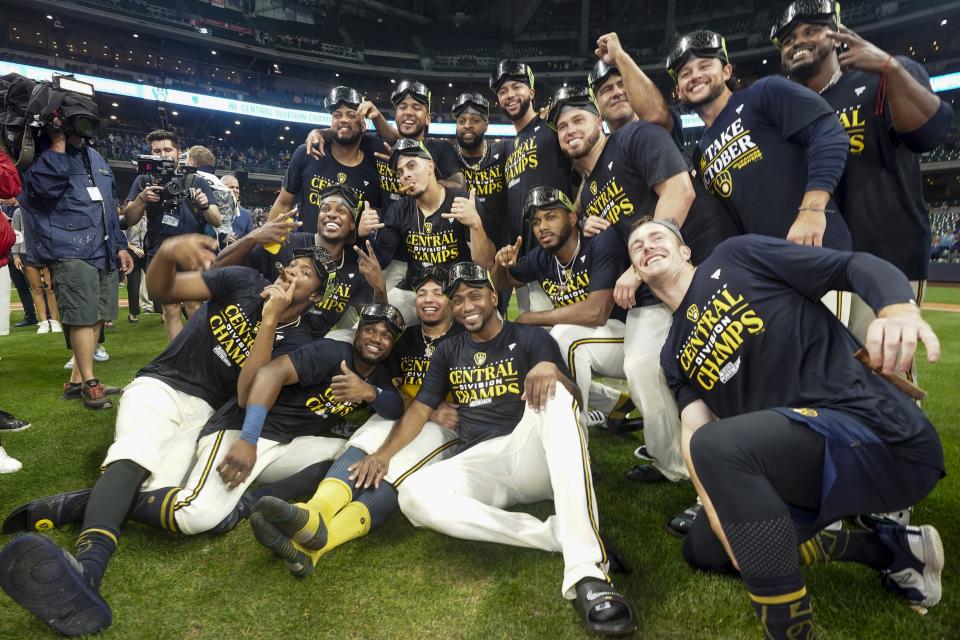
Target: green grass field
[[409, 584]]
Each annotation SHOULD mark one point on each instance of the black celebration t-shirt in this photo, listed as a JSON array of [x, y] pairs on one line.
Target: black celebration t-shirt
[[309, 407], [750, 157], [534, 160], [205, 358], [306, 177], [425, 240], [351, 287], [751, 334], [411, 355], [881, 192], [486, 378], [485, 176], [596, 267]]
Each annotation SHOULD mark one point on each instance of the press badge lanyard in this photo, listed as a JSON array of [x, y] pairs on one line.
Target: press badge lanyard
[[94, 191]]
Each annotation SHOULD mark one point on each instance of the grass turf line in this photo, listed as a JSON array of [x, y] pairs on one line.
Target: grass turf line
[[405, 583]]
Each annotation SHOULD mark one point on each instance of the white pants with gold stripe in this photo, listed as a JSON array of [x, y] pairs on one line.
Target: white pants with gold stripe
[[432, 444], [205, 499], [545, 457], [591, 352], [647, 329]]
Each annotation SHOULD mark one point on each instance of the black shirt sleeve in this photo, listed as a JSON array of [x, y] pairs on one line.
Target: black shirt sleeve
[[226, 282], [542, 348], [789, 105], [139, 183], [436, 384], [317, 361], [653, 154], [293, 178], [388, 239], [677, 383], [525, 270], [608, 260], [445, 158]]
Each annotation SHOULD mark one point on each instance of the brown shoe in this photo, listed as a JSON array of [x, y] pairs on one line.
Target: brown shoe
[[95, 395]]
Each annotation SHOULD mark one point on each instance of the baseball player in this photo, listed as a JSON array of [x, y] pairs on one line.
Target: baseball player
[[434, 225], [577, 273], [635, 170], [359, 278], [520, 443], [785, 431], [310, 392], [344, 162], [885, 104], [158, 422], [534, 160], [340, 510]]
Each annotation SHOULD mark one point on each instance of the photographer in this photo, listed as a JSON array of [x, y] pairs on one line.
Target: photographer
[[68, 211], [169, 215]]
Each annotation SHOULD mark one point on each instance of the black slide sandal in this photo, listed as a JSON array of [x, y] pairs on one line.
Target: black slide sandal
[[602, 609]]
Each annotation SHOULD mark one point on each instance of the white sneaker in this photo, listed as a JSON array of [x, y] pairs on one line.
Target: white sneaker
[[101, 355], [8, 464], [44, 327], [69, 364], [594, 418], [55, 327], [917, 563]]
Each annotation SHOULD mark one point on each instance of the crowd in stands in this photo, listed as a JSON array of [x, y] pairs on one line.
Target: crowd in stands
[[945, 228]]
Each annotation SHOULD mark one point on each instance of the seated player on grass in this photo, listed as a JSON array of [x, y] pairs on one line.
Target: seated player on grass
[[784, 430], [341, 510], [521, 442], [158, 423], [578, 274]]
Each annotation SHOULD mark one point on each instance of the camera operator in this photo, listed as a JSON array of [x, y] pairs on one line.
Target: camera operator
[[189, 216], [69, 212]]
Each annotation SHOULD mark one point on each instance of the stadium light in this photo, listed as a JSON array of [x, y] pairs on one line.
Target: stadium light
[[227, 132], [136, 35], [943, 22], [236, 122]]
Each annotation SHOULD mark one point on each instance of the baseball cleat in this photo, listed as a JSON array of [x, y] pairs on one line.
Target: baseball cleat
[[298, 561], [298, 521], [914, 574], [48, 513], [49, 582], [602, 609]]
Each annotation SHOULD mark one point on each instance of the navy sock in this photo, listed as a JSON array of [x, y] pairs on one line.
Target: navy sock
[[94, 548], [381, 503]]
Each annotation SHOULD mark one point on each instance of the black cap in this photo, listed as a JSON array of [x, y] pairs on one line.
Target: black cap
[[416, 90], [324, 264], [340, 191], [342, 95], [470, 274], [571, 96], [816, 11], [599, 73], [435, 272], [408, 147], [511, 70], [700, 44], [545, 198], [475, 101], [377, 312]]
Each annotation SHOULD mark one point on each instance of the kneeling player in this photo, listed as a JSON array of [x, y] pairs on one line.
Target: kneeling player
[[789, 431], [341, 510], [509, 453], [578, 274], [158, 423]]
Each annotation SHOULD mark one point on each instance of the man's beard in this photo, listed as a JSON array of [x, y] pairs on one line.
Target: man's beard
[[359, 354], [807, 68], [470, 146], [561, 240], [353, 136], [588, 147], [524, 108], [715, 92], [416, 133]]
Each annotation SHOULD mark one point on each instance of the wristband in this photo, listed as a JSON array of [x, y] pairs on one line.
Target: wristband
[[815, 210], [253, 423]]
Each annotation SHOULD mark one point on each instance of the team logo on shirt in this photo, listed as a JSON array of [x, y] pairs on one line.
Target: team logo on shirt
[[524, 156], [693, 313], [475, 386], [341, 177], [486, 181], [428, 227], [710, 353], [810, 413], [853, 122], [593, 187], [234, 333], [610, 202], [480, 357], [732, 148]]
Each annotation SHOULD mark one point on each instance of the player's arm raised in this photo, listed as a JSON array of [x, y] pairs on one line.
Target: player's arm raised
[[278, 298], [506, 258], [372, 272], [371, 469], [192, 252], [275, 230], [643, 95]]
